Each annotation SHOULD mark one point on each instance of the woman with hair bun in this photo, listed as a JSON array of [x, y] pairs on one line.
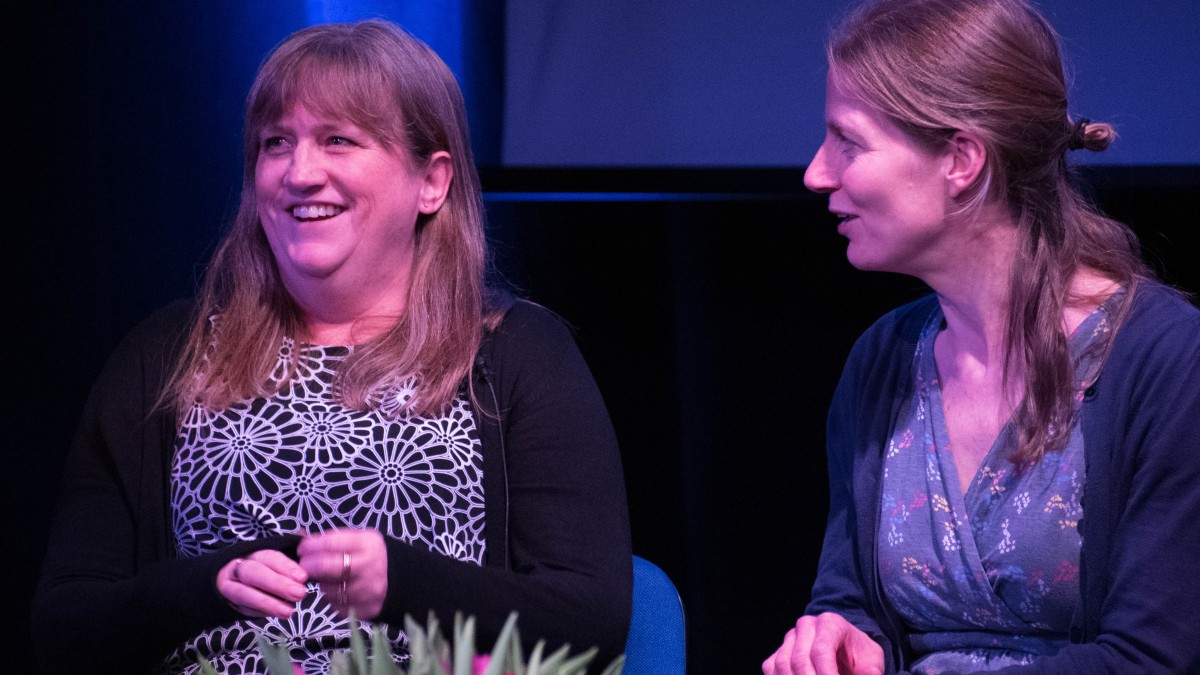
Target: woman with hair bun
[[1014, 459]]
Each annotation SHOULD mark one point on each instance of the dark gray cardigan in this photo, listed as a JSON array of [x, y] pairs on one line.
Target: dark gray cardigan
[[1139, 610]]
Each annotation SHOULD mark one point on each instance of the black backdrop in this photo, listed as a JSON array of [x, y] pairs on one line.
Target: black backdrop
[[714, 306]]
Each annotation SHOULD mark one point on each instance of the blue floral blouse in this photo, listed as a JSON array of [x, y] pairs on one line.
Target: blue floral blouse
[[989, 578]]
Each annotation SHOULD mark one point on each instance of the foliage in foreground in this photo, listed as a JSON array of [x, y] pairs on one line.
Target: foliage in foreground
[[431, 654]]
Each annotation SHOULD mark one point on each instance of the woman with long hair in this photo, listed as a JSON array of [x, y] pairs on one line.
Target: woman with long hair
[[1014, 459], [350, 419]]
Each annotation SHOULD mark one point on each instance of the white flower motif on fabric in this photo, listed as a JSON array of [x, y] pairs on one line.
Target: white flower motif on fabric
[[283, 365], [226, 645], [399, 486], [454, 432], [246, 521], [305, 502], [312, 620], [316, 370], [333, 433], [190, 523], [393, 400], [252, 449], [299, 461]]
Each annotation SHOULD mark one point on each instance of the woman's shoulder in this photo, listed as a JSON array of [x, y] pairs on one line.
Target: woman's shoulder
[[162, 332], [531, 321], [900, 326], [1161, 320], [531, 339], [165, 322], [1156, 300], [139, 366]]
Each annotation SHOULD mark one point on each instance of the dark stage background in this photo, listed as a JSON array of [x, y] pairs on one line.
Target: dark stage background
[[714, 304]]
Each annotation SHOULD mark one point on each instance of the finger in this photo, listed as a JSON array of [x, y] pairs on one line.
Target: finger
[[343, 553], [280, 563], [253, 602], [329, 566], [244, 598], [828, 636], [256, 574], [338, 540], [862, 655], [777, 663], [801, 658]]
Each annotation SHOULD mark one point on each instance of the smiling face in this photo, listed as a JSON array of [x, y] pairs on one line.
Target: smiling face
[[889, 192], [339, 208]]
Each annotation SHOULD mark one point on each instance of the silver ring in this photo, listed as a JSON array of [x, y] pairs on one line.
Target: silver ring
[[343, 596]]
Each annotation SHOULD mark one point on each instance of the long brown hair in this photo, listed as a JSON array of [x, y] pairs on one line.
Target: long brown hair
[[389, 83], [994, 67]]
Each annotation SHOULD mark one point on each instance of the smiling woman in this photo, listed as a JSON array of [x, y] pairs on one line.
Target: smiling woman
[[339, 209], [885, 188], [1014, 459], [350, 418]]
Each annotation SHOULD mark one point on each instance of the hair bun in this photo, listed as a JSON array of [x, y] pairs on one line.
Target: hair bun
[[1088, 135]]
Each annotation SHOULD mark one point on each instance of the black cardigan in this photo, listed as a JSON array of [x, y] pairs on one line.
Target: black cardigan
[[115, 597]]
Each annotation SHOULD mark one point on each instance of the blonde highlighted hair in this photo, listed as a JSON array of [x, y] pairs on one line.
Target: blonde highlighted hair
[[387, 82], [994, 67]]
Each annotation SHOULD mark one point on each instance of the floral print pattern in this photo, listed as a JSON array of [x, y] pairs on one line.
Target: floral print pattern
[[989, 578], [299, 461]]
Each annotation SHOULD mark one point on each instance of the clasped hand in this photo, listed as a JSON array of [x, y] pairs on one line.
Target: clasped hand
[[349, 565], [825, 644]]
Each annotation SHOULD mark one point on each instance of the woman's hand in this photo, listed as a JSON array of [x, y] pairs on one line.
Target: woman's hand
[[351, 566], [825, 644], [264, 583]]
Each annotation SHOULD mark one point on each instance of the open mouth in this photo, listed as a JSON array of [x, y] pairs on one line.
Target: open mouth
[[311, 212]]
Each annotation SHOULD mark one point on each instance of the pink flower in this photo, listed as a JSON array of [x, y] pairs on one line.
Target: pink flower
[[480, 664]]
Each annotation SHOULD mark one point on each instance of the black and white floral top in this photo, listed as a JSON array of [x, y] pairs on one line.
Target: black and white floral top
[[298, 461]]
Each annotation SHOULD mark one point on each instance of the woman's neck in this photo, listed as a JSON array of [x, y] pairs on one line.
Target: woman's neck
[[973, 288], [350, 318]]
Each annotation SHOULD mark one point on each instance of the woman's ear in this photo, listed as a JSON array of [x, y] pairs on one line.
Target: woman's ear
[[439, 172], [968, 159]]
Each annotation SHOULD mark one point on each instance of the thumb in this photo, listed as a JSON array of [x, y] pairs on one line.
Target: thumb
[[860, 655]]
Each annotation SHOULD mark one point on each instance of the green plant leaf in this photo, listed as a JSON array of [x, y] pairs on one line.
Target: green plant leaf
[[429, 653], [382, 662], [534, 666], [501, 654], [615, 668], [553, 663], [276, 656], [464, 644], [418, 648], [358, 648], [578, 663]]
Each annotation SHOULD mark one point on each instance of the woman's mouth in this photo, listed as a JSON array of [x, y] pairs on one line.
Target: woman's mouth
[[309, 212]]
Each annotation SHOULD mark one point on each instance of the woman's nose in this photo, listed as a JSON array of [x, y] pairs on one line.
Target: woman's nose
[[818, 177], [306, 168]]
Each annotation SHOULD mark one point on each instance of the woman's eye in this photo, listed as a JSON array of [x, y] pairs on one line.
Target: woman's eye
[[845, 144], [340, 140], [273, 144]]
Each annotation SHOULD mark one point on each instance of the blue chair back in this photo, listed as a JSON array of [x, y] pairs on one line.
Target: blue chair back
[[657, 636]]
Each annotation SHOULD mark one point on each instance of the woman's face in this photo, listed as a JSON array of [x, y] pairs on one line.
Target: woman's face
[[338, 207], [889, 193]]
